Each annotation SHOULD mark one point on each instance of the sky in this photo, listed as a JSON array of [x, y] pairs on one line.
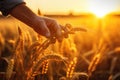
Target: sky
[[75, 6]]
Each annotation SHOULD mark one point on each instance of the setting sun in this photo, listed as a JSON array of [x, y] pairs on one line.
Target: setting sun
[[99, 12], [101, 8]]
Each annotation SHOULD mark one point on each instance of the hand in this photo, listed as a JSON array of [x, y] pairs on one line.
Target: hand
[[48, 27], [44, 26]]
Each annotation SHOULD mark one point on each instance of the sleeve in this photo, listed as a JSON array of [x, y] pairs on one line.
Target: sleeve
[[7, 5]]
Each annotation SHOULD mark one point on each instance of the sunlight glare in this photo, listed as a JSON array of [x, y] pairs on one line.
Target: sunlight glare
[[99, 12], [101, 8]]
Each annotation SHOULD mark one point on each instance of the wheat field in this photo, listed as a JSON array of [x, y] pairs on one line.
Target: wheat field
[[91, 55]]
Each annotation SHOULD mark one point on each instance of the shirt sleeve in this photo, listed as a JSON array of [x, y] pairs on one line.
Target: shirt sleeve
[[7, 5]]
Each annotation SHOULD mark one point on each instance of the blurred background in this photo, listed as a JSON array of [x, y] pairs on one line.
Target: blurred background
[[101, 18]]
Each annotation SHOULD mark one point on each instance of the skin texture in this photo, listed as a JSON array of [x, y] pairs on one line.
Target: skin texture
[[44, 26]]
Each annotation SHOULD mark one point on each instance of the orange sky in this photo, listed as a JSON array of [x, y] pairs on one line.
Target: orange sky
[[99, 7]]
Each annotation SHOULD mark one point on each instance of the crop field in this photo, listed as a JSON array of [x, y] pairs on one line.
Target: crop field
[[93, 54]]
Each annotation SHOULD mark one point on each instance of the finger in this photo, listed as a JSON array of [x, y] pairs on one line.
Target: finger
[[59, 35], [42, 29], [54, 28], [58, 31]]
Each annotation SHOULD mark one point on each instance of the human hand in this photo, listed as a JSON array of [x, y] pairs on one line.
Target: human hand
[[42, 25], [48, 27]]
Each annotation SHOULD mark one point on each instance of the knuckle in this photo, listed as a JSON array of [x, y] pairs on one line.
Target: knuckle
[[54, 21]]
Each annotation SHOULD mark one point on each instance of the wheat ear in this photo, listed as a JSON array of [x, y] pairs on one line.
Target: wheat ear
[[9, 70], [38, 64]]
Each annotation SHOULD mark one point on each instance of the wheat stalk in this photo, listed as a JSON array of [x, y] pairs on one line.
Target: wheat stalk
[[19, 55]]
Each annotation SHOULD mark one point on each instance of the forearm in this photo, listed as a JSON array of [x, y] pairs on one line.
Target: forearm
[[44, 26], [24, 14]]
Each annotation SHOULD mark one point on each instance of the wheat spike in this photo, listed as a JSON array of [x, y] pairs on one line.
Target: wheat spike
[[71, 67], [93, 64], [45, 67], [10, 69], [2, 43], [38, 64], [19, 55], [34, 45], [28, 39]]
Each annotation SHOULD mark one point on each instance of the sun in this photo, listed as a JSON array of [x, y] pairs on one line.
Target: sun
[[100, 8], [99, 12]]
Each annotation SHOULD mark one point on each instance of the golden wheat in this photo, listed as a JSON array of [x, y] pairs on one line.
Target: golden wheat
[[93, 64], [38, 64], [71, 67], [45, 67], [9, 70]]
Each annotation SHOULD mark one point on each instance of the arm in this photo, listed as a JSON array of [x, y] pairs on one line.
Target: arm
[[24, 14], [44, 26]]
